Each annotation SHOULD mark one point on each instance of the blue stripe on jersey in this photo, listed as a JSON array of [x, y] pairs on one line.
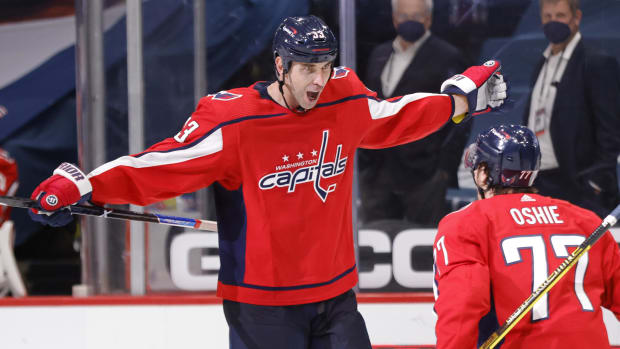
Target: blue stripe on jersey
[[290, 288], [342, 100], [261, 87], [389, 101], [196, 141], [231, 229]]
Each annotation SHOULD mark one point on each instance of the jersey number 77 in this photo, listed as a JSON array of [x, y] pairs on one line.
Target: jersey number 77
[[511, 248]]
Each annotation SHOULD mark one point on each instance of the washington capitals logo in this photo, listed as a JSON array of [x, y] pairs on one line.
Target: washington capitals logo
[[313, 173], [224, 96], [340, 72]]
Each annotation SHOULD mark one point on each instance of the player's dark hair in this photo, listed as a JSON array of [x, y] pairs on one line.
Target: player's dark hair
[[498, 190]]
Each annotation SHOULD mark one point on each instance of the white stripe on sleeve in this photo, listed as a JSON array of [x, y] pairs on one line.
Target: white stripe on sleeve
[[210, 145], [382, 109]]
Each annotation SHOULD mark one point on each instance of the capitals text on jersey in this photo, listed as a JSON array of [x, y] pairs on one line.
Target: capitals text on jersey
[[313, 173]]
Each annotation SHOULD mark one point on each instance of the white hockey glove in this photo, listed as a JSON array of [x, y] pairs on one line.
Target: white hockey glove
[[483, 85]]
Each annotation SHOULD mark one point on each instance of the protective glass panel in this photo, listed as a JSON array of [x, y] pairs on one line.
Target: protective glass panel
[[403, 191], [411, 49]]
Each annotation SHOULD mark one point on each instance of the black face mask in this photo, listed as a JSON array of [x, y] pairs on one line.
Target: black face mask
[[556, 32], [410, 30]]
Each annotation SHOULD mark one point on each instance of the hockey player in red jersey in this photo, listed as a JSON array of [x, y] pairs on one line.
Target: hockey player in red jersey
[[8, 182], [491, 255], [280, 155]]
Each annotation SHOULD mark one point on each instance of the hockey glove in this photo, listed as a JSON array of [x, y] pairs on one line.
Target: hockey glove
[[67, 186], [483, 86]]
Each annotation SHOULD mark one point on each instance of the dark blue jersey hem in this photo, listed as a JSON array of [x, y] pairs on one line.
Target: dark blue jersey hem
[[290, 288]]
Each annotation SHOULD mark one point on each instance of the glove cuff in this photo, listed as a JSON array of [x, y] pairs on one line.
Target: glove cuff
[[75, 175], [458, 84]]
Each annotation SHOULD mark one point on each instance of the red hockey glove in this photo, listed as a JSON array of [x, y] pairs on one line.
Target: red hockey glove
[[67, 186], [483, 86], [8, 181]]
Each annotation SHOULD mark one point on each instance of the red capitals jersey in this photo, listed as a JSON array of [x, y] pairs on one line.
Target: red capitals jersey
[[494, 253], [283, 181], [8, 181]]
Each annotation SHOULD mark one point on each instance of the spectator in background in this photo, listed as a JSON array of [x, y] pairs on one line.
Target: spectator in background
[[8, 182], [410, 181], [574, 109]]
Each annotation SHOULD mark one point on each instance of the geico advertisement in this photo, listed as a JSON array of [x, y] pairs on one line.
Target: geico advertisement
[[393, 257]]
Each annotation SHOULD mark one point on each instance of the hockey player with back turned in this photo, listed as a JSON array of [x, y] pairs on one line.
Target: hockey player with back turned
[[491, 255], [280, 155]]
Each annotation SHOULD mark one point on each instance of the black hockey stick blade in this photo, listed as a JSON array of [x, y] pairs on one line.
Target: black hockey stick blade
[[98, 211]]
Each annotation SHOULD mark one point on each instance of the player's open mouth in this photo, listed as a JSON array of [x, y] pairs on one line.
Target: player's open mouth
[[312, 96]]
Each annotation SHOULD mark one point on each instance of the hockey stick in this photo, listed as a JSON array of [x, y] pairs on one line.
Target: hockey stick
[[118, 214], [551, 280]]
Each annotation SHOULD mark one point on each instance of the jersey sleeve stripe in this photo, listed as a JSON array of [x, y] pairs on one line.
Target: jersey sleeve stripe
[[12, 189], [342, 100], [207, 134], [380, 109], [209, 145]]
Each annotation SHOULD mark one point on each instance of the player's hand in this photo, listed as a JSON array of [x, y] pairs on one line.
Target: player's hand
[[67, 186], [483, 85]]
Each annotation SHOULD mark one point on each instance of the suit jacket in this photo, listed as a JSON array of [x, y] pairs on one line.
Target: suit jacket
[[413, 164], [585, 123]]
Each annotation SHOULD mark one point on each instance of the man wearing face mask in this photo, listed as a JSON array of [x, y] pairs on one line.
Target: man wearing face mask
[[410, 181], [574, 109]]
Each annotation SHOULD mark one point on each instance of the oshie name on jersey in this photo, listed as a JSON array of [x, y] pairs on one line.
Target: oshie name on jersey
[[536, 215]]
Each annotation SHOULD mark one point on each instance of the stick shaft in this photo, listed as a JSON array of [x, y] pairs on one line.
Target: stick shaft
[[119, 214], [551, 280]]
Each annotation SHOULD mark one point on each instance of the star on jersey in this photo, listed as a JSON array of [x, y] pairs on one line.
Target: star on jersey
[[300, 155], [312, 173]]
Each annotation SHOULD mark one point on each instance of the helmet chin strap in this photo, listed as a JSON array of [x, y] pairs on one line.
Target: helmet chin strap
[[299, 109]]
